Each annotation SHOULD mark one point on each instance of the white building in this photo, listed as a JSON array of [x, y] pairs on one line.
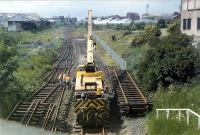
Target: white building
[[111, 20], [190, 17]]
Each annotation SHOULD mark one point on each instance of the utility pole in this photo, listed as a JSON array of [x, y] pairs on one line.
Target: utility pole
[[147, 9]]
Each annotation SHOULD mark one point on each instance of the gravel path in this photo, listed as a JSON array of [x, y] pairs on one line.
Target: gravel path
[[133, 126]]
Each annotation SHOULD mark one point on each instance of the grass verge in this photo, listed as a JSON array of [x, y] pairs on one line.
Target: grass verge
[[175, 97]]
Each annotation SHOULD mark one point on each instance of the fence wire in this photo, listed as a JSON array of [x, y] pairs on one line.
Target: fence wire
[[121, 62]]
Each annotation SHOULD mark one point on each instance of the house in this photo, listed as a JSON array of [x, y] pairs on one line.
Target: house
[[4, 19], [20, 21], [190, 17]]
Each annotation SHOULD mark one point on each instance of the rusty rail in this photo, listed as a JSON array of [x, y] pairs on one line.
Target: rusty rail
[[37, 103], [27, 111], [48, 115], [51, 92], [124, 95], [138, 90], [14, 109], [57, 111]]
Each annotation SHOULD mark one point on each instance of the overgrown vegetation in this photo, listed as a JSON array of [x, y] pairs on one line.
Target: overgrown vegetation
[[122, 45], [8, 65], [168, 66], [171, 60], [22, 68], [183, 96]]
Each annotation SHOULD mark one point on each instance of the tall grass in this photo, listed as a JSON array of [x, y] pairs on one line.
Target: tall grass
[[175, 97]]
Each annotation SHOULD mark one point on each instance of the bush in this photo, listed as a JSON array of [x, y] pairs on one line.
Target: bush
[[113, 38], [8, 65], [167, 64], [139, 40], [151, 35], [127, 32]]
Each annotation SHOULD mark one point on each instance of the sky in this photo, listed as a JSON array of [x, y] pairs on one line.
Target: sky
[[78, 8]]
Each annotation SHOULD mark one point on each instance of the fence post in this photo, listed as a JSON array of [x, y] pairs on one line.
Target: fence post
[[198, 123], [187, 117], [167, 111], [179, 115], [157, 114]]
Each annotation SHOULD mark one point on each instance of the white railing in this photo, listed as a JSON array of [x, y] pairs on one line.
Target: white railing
[[188, 112]]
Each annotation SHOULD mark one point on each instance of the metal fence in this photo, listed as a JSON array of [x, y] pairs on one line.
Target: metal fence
[[188, 112], [121, 62]]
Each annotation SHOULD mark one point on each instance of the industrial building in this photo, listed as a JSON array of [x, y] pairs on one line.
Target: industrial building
[[190, 17], [18, 22]]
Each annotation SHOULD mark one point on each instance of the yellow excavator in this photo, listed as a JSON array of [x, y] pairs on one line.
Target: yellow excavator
[[91, 94]]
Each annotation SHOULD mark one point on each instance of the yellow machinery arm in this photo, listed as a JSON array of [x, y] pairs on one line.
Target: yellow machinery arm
[[90, 66], [90, 48]]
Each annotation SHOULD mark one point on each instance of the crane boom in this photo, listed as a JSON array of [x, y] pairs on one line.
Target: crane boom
[[90, 48], [90, 65]]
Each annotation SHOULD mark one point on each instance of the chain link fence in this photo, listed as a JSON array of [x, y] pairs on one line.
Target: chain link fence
[[121, 62]]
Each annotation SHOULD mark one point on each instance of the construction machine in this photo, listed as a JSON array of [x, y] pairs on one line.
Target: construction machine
[[91, 95]]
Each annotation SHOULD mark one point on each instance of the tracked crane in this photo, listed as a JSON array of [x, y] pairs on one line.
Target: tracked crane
[[91, 95]]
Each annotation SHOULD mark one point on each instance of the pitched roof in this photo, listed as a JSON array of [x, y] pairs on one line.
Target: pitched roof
[[22, 16]]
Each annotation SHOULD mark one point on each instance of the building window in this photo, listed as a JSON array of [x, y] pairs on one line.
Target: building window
[[184, 24], [189, 24], [198, 23]]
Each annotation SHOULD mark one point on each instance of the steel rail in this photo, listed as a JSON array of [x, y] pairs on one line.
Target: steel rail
[[103, 131], [58, 109], [14, 109], [34, 109], [138, 90], [48, 115], [120, 86], [46, 82], [51, 92], [27, 111]]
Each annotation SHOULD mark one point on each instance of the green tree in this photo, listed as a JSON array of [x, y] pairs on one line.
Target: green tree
[[167, 64], [172, 59], [8, 65]]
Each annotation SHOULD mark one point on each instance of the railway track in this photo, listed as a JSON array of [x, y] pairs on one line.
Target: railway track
[[130, 98], [42, 108], [94, 131]]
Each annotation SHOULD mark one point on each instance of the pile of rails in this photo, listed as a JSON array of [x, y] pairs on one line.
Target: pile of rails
[[130, 98], [42, 108]]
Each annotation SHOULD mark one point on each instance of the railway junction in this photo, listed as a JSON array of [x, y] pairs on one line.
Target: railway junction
[[61, 105]]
